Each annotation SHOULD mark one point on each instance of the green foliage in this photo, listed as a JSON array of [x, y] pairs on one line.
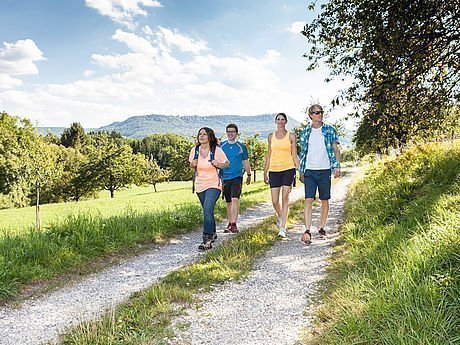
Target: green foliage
[[113, 164], [257, 150], [169, 150], [397, 278], [74, 136], [154, 174], [402, 57], [80, 235]]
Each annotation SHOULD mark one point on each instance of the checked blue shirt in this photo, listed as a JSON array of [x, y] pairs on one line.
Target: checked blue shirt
[[330, 137]]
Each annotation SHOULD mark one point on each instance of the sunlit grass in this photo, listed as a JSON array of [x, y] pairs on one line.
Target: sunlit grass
[[75, 240], [396, 280], [146, 317]]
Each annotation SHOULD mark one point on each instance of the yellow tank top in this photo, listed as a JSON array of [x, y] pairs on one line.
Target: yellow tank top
[[281, 156]]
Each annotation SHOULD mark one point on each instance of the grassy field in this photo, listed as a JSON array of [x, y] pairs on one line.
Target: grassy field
[[145, 318], [96, 229], [395, 279], [169, 195]]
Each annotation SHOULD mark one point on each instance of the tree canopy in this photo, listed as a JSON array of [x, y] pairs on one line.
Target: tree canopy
[[404, 57]]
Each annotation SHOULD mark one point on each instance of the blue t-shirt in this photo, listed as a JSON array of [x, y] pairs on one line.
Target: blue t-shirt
[[236, 153]]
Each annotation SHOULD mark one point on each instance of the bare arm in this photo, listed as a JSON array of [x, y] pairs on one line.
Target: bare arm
[[247, 167], [294, 150], [267, 158]]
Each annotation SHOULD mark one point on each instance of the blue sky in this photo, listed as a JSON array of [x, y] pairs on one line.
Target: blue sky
[[100, 61]]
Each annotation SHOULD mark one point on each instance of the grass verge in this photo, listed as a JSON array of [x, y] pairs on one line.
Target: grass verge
[[395, 277], [78, 240], [146, 317]]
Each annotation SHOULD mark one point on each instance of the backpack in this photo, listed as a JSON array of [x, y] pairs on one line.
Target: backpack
[[212, 153]]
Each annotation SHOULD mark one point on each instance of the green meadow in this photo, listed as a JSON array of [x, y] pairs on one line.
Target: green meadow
[[395, 278], [75, 234]]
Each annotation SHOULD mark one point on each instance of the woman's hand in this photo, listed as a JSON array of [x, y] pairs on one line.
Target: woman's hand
[[194, 163], [266, 179]]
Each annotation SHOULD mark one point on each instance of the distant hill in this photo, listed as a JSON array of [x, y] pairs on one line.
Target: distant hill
[[187, 126]]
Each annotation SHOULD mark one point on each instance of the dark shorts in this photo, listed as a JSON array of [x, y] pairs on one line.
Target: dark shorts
[[317, 180], [282, 178], [232, 188]]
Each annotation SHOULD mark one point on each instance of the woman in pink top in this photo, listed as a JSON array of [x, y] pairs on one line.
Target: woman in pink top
[[206, 158]]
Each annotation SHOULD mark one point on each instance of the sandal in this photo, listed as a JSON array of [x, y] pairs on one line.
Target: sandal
[[306, 237], [322, 234]]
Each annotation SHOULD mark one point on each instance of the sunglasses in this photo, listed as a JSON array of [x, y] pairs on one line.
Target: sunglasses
[[317, 112]]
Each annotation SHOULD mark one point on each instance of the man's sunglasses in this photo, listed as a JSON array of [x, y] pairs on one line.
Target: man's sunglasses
[[317, 112]]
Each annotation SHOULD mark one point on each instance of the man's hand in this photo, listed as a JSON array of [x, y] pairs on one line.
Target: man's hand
[[337, 172], [194, 163], [248, 179], [302, 177]]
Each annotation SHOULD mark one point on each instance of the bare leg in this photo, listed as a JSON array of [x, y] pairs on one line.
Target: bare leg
[[235, 209], [276, 200], [307, 212], [324, 213], [229, 211], [285, 209]]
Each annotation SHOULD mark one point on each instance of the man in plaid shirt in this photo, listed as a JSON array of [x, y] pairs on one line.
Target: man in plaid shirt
[[319, 159]]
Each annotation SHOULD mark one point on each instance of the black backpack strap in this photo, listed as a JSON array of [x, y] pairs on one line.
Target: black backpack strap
[[195, 156]]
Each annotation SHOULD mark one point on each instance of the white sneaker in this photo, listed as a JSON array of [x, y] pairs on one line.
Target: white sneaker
[[282, 233]]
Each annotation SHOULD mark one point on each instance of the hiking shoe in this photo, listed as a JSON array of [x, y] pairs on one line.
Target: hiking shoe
[[282, 233], [206, 245], [228, 228], [234, 229], [322, 234], [214, 238], [306, 237]]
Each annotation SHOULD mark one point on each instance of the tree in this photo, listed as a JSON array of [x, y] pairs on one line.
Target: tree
[[17, 142], [113, 163], [74, 136], [404, 56], [257, 150], [169, 150], [154, 174]]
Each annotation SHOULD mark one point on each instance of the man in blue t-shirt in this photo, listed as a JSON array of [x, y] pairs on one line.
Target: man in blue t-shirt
[[237, 155]]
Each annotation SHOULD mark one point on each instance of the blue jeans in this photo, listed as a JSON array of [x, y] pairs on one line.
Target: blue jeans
[[208, 199]]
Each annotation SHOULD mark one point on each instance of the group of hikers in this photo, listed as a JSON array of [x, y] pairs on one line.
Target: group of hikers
[[220, 167]]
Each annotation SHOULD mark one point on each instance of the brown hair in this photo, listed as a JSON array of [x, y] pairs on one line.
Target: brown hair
[[232, 125], [211, 137]]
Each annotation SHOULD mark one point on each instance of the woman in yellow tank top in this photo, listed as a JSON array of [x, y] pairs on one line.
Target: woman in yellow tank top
[[280, 166]]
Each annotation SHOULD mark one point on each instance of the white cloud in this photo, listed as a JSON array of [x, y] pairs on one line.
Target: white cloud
[[149, 78], [122, 11], [18, 58], [88, 73], [147, 30], [6, 82], [184, 43], [296, 27], [136, 43]]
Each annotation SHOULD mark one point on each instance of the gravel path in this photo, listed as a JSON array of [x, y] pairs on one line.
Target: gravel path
[[40, 320], [272, 305]]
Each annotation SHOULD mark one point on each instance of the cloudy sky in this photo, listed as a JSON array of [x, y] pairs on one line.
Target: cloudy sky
[[100, 61]]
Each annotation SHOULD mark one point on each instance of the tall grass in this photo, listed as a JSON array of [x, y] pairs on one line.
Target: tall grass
[[145, 318], [77, 240], [396, 279]]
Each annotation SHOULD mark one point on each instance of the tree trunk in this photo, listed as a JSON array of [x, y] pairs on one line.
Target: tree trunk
[[37, 207], [112, 192]]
